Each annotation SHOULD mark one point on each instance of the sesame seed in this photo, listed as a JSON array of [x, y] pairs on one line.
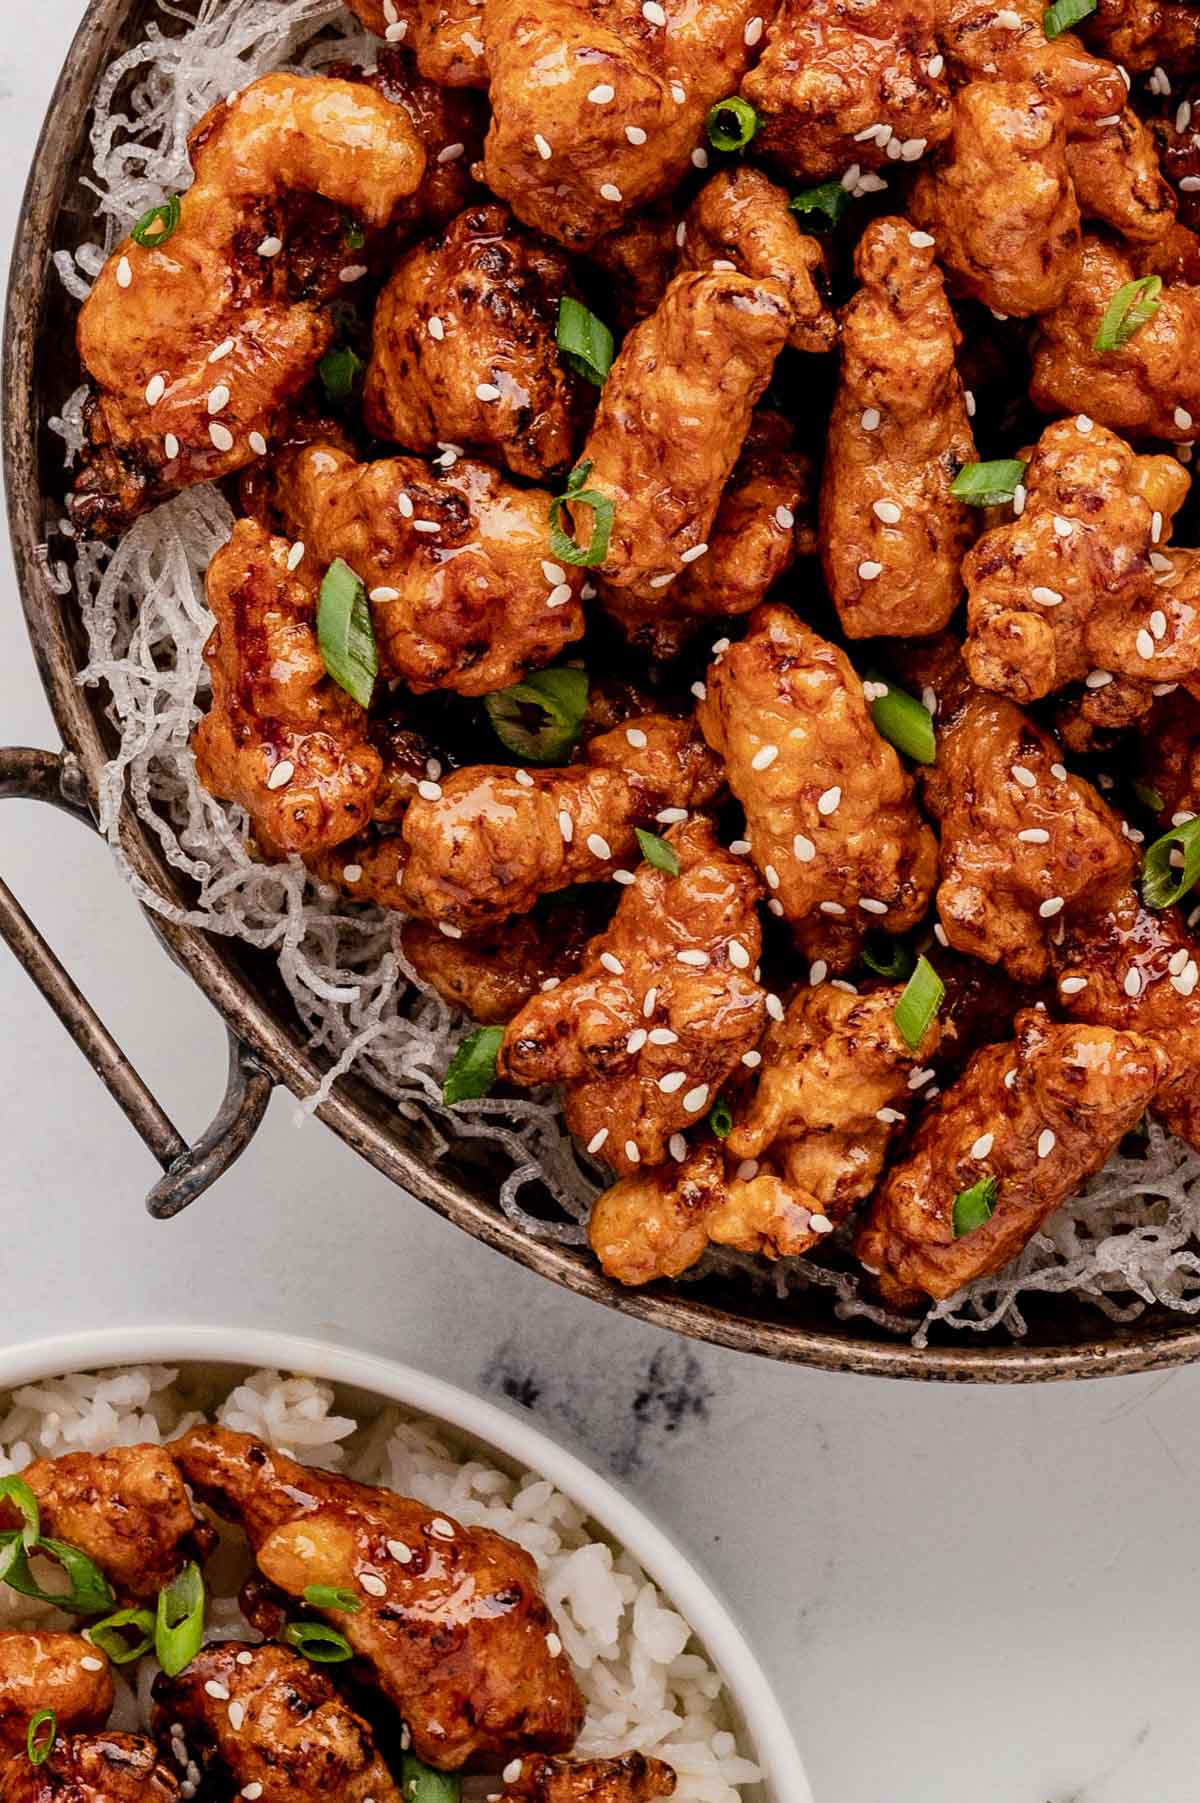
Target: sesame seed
[[566, 826], [156, 387], [868, 570], [739, 847], [691, 556], [774, 1007], [851, 178], [870, 906], [602, 93], [597, 1140], [270, 247], [436, 329], [1047, 1140], [678, 92], [1059, 772], [921, 240], [1073, 985], [1133, 982], [553, 572], [221, 436], [891, 1117], [425, 526], [662, 1036], [441, 1528], [92, 1664], [751, 1060], [1034, 835], [215, 1690], [237, 1716], [804, 848], [353, 272], [1048, 909], [524, 778], [405, 505], [664, 580], [698, 959], [1156, 525], [450, 153], [1024, 776], [611, 962], [699, 691], [1144, 643], [1045, 597], [670, 816], [1010, 1078], [870, 419], [171, 446], [218, 398], [487, 391], [609, 191], [764, 757], [385, 594], [542, 147], [254, 1790], [672, 1081], [696, 1098], [396, 32], [636, 737], [653, 13], [449, 931], [1183, 418], [554, 1645], [887, 511], [295, 556], [1159, 562], [677, 1147], [633, 1151], [1097, 679], [939, 933], [351, 873], [1082, 423], [1178, 961], [1158, 623], [912, 148], [983, 1145], [636, 1041], [635, 134], [829, 800], [429, 791], [599, 848], [832, 907], [258, 444], [935, 65], [820, 1223], [282, 774], [1062, 526], [817, 972]]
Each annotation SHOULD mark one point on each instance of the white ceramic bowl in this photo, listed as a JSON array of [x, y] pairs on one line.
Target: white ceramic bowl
[[763, 1732]]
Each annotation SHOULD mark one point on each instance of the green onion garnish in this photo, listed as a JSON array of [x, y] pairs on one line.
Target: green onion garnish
[[923, 994], [603, 512], [419, 1783], [353, 236], [656, 851], [329, 1596], [156, 226], [318, 1642], [1164, 882], [974, 1206], [123, 1636], [16, 1491], [472, 1069], [1064, 13], [829, 201], [731, 123], [560, 698], [87, 1591], [988, 484], [585, 341], [339, 370], [887, 957], [904, 722], [1131, 307], [39, 1745], [1149, 797], [345, 633], [720, 1118], [179, 1622]]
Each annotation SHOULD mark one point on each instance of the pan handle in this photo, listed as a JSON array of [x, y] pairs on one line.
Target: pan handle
[[55, 777]]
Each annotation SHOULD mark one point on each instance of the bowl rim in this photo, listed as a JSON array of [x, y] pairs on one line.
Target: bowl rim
[[630, 1523]]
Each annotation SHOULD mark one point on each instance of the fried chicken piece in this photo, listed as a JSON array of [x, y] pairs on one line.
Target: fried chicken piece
[[1150, 386], [1069, 586], [639, 260], [741, 218], [1000, 200], [654, 1223], [1179, 154], [1170, 754], [892, 534], [676, 964], [493, 289], [838, 84], [672, 418], [280, 738], [92, 1768], [62, 1672], [1040, 1115], [1141, 33], [596, 109], [492, 974], [446, 35], [450, 122], [265, 1716], [165, 415], [126, 1509], [630, 1778], [830, 814], [496, 838], [452, 559]]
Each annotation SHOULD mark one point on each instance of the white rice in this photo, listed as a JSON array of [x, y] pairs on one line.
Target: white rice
[[648, 1686], [146, 621]]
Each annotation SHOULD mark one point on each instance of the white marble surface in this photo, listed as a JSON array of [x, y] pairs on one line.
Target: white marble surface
[[960, 1594]]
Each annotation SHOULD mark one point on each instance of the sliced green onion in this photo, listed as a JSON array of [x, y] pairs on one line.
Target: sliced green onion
[[353, 236], [560, 697], [731, 123], [988, 484], [472, 1069], [974, 1206], [829, 200], [318, 1642], [1165, 882], [585, 341], [339, 370], [179, 1622], [11, 1549], [1149, 797], [124, 1636], [87, 1591], [156, 226], [603, 513], [39, 1745], [345, 633], [330, 1596], [904, 721], [923, 995], [16, 1491], [1131, 307], [1064, 13], [419, 1783], [887, 957], [656, 851], [720, 1118]]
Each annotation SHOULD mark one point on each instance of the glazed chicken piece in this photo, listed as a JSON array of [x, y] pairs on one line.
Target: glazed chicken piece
[[62, 1672], [740, 218], [654, 1223], [1040, 1115], [1170, 752], [639, 260], [631, 1778], [446, 36], [452, 1628], [596, 109], [280, 737], [491, 975], [497, 838], [1150, 386], [672, 418], [464, 347], [1142, 33], [106, 1767], [662, 1011], [450, 122], [194, 346], [453, 559], [830, 816], [838, 85], [892, 534], [1000, 201], [1070, 589], [264, 1716], [126, 1509]]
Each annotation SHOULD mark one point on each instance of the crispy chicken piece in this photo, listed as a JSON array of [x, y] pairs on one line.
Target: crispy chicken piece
[[62, 1672], [1170, 753], [1040, 1115], [491, 975], [450, 122], [452, 559], [892, 534], [92, 1768], [264, 1716], [126, 1509], [1150, 386], [165, 415], [1141, 33], [654, 1223], [596, 109], [493, 290], [497, 838], [631, 1778], [639, 260], [830, 814], [676, 964], [453, 1628], [672, 418], [280, 737], [446, 35], [741, 218], [838, 84], [1070, 587], [1000, 200]]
